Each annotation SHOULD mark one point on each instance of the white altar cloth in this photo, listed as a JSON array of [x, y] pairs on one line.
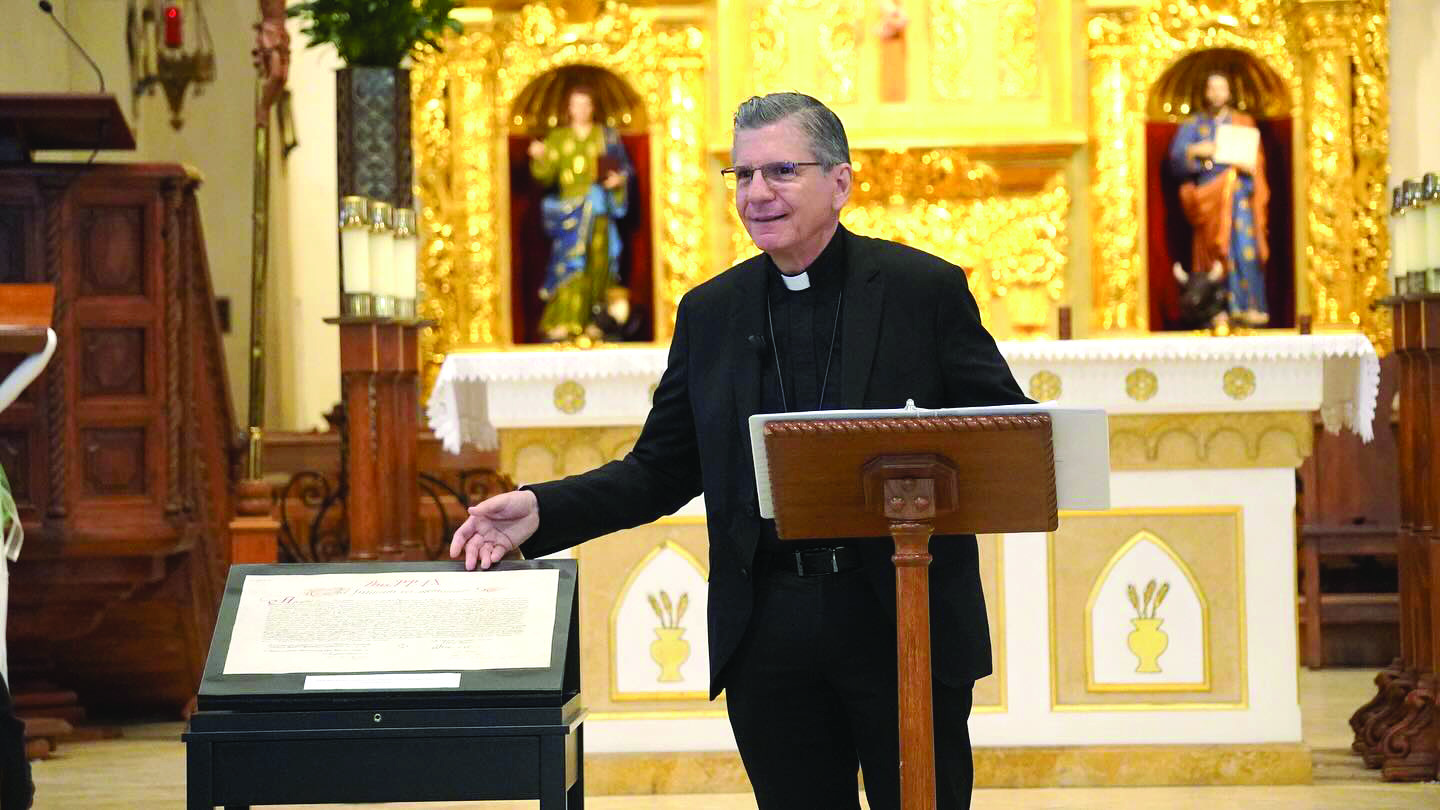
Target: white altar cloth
[[466, 405]]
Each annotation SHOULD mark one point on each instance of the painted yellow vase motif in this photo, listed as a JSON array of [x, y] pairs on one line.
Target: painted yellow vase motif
[[670, 651], [1148, 642]]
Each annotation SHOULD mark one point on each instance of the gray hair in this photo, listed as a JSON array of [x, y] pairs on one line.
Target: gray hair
[[821, 125]]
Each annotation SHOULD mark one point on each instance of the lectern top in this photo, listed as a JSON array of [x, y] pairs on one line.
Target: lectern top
[[1078, 472], [63, 121]]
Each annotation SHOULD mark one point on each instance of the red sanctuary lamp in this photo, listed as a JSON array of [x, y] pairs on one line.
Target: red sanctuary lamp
[[172, 26], [170, 48]]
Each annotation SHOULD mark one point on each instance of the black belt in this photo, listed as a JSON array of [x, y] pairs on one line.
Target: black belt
[[815, 562]]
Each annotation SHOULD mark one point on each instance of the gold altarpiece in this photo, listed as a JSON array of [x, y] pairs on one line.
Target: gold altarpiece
[[462, 103], [1014, 149], [1332, 56], [935, 169]]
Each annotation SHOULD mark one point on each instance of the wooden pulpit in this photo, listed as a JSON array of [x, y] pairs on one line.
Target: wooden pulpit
[[908, 478]]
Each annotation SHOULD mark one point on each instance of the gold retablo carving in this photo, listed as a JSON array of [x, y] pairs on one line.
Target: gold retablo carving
[[1210, 440], [1332, 62], [463, 101]]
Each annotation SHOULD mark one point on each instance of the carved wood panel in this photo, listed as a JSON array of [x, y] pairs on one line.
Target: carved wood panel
[[114, 461], [112, 250], [112, 361], [15, 458], [124, 247], [13, 253]]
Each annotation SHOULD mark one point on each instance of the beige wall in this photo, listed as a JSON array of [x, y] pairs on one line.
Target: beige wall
[[303, 374], [216, 139], [1414, 88]]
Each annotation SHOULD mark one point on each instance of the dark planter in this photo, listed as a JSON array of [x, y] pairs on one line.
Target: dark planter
[[372, 123]]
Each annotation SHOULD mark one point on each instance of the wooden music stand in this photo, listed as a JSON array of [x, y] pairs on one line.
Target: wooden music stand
[[907, 478]]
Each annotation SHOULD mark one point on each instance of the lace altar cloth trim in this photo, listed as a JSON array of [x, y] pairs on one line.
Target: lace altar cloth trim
[[458, 411]]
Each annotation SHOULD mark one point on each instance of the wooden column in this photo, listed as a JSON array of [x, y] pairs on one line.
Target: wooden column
[[407, 414], [389, 346], [380, 363], [359, 369], [1398, 731]]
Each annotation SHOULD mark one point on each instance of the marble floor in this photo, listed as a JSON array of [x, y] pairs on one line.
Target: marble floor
[[146, 769]]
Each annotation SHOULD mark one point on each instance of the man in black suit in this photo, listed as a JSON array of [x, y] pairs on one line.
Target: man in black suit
[[802, 635]]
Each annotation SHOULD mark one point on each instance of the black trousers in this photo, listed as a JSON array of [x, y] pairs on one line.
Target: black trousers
[[812, 699], [16, 790]]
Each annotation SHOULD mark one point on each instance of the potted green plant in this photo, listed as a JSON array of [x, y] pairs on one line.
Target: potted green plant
[[372, 91]]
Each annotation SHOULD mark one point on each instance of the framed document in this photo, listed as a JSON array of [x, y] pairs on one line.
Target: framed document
[[418, 633], [1236, 145], [391, 682]]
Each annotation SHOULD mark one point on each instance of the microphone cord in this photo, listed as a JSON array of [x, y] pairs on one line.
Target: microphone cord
[[49, 9]]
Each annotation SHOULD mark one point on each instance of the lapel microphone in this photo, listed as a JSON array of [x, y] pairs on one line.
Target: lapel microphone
[[757, 342]]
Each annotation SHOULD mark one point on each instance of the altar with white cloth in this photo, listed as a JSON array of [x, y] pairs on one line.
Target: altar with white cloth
[[1169, 618]]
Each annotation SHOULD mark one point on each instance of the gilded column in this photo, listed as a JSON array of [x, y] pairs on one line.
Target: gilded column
[[1329, 198], [1116, 266]]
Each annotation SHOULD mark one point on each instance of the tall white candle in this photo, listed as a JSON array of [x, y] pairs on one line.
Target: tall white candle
[[1397, 242], [1417, 251], [355, 245], [406, 254], [1431, 193], [382, 249]]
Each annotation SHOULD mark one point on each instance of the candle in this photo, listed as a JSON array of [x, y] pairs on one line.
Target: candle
[[1414, 239], [1398, 267], [406, 254], [382, 259], [1418, 251], [173, 38], [355, 255], [1430, 192]]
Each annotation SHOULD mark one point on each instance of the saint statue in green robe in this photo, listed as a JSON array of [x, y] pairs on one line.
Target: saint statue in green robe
[[588, 169]]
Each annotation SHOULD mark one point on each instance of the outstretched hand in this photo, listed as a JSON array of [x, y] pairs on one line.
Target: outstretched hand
[[496, 527]]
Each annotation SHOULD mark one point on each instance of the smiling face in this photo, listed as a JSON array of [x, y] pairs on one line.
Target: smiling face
[[1217, 91], [790, 220]]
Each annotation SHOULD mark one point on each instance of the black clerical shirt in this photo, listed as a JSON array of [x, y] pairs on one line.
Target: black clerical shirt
[[806, 342]]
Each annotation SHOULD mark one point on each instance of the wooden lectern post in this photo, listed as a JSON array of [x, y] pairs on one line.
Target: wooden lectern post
[[907, 478]]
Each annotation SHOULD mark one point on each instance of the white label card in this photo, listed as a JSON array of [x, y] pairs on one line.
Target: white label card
[[385, 681]]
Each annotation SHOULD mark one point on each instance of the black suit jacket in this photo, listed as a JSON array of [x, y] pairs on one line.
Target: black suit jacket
[[911, 330]]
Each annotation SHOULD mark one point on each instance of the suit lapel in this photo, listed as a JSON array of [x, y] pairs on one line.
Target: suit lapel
[[860, 324], [747, 319]]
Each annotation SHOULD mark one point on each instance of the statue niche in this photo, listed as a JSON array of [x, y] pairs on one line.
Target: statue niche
[[1236, 221], [580, 243]]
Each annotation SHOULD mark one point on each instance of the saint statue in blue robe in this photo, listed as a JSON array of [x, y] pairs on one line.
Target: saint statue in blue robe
[[1225, 204]]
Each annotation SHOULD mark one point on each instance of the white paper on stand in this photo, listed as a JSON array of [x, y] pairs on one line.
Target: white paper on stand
[[393, 622], [1081, 438]]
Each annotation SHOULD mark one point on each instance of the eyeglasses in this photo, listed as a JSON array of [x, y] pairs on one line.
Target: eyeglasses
[[783, 171]]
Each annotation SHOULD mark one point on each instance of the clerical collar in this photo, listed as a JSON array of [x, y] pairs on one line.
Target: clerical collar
[[829, 264], [796, 283]]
